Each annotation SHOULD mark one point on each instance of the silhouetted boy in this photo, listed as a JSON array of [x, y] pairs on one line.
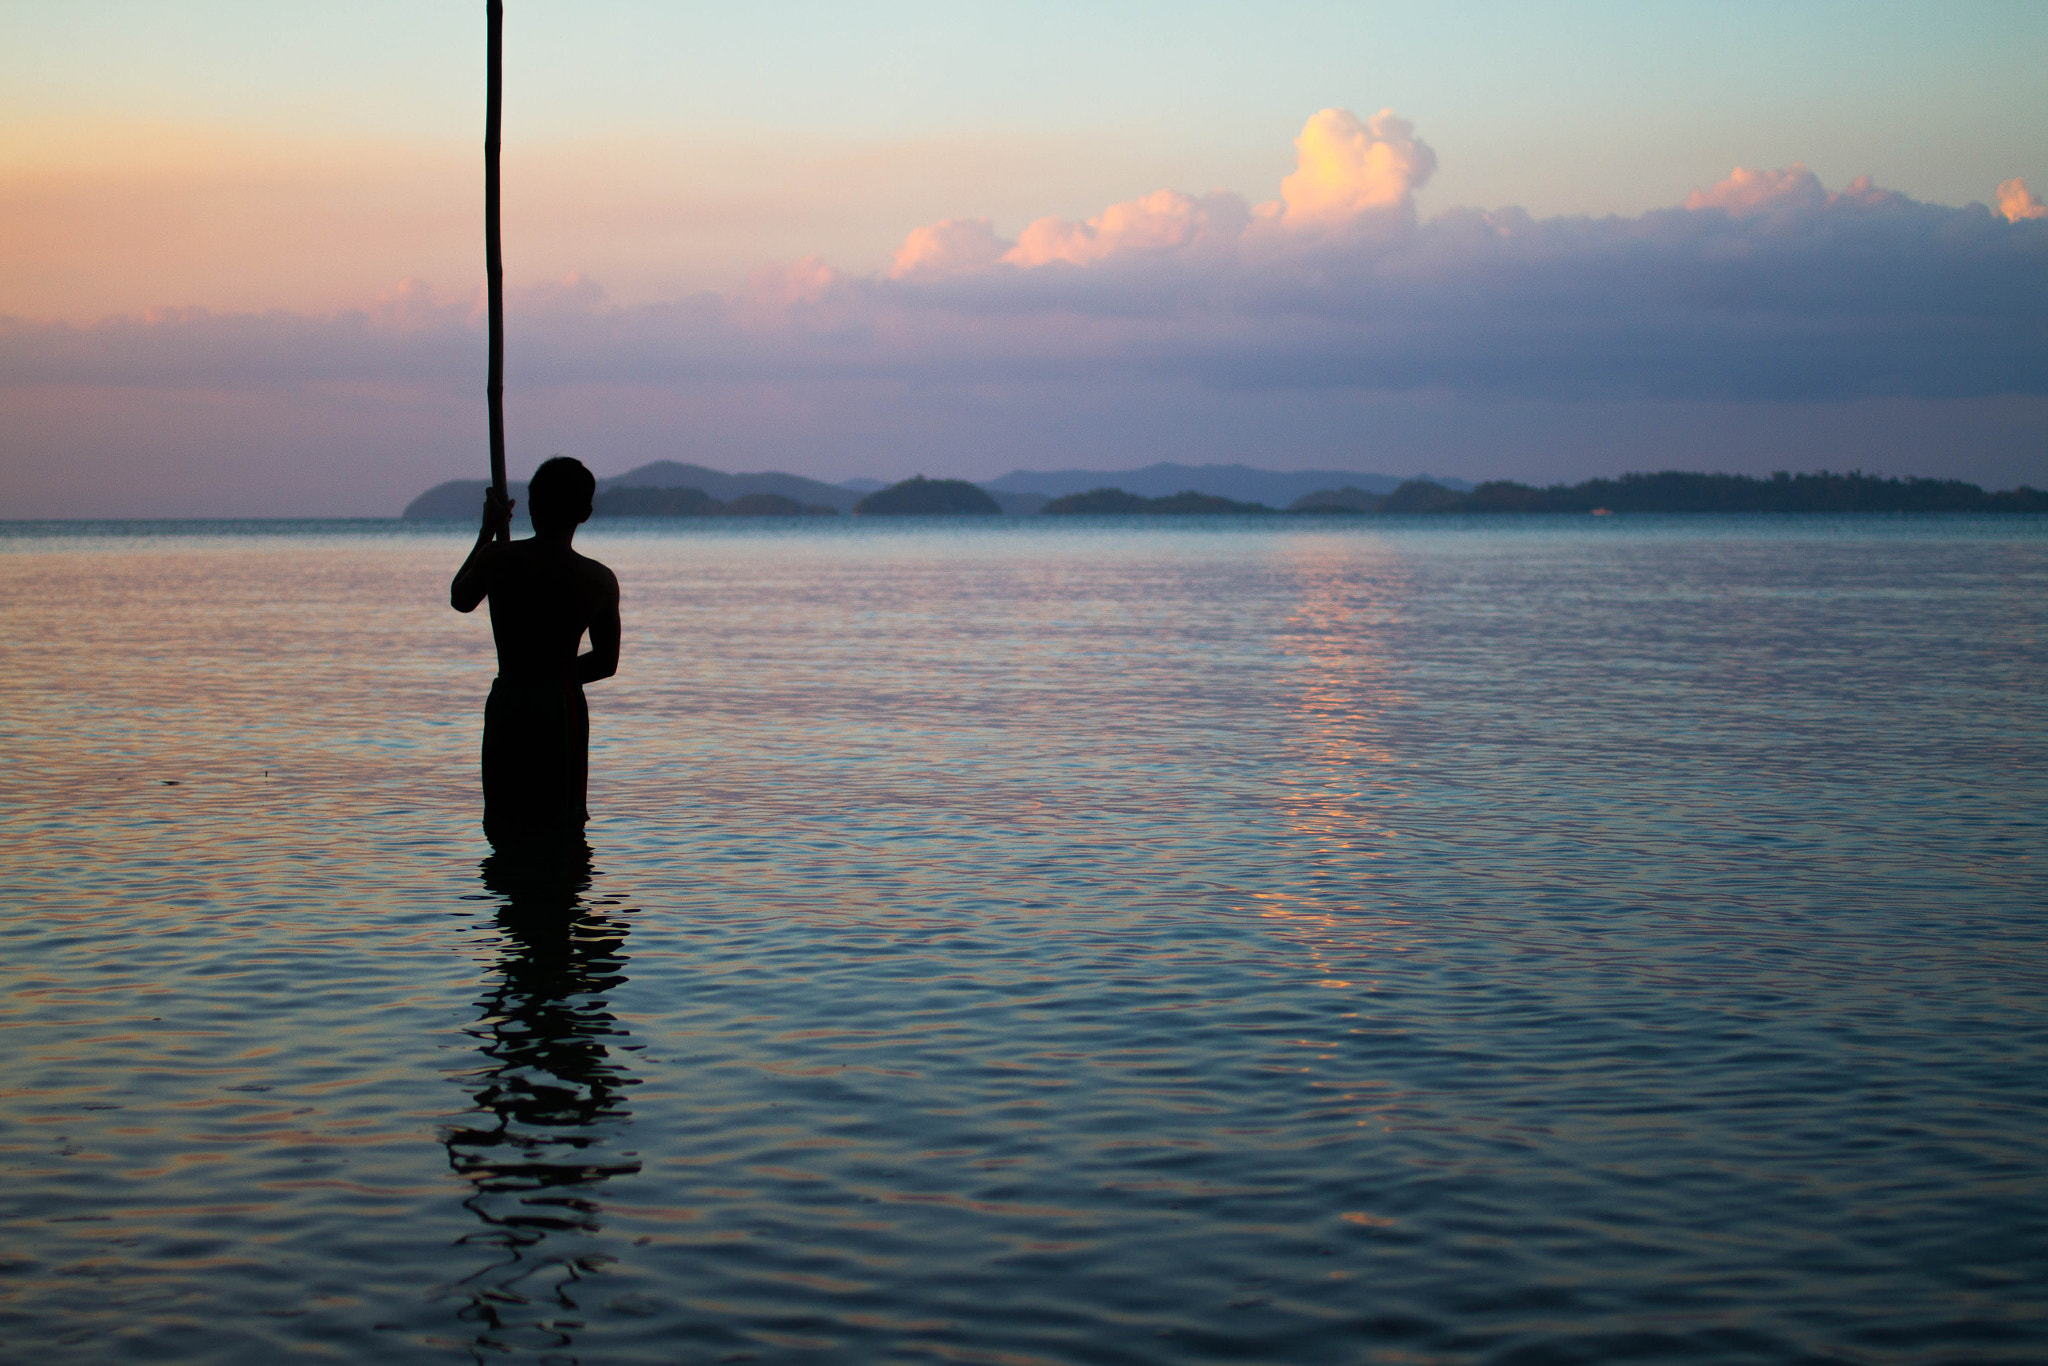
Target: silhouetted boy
[[544, 596]]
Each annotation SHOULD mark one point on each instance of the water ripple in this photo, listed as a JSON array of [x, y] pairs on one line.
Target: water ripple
[[1528, 943]]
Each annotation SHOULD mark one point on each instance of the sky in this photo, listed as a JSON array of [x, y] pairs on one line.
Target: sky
[[241, 266]]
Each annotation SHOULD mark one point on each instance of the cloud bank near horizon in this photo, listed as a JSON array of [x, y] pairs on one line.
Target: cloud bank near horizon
[[1766, 287]]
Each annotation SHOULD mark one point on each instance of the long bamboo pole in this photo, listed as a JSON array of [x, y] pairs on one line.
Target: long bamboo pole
[[494, 264]]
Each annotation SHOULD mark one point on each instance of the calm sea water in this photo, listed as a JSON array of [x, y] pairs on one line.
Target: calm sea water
[[1546, 941]]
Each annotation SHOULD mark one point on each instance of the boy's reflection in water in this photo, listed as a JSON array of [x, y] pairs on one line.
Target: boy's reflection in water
[[549, 1123]]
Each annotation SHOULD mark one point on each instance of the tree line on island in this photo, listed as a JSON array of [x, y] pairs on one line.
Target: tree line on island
[[668, 489], [1667, 492]]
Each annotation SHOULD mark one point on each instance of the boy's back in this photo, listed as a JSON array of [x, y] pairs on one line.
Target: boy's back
[[543, 600]]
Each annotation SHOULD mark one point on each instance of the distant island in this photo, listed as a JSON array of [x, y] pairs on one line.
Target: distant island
[[922, 497], [1672, 491], [1343, 499], [667, 488], [463, 499], [1115, 502], [1239, 483], [918, 497], [1018, 493], [631, 501]]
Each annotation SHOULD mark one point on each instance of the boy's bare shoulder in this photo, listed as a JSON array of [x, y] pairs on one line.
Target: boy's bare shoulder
[[596, 574]]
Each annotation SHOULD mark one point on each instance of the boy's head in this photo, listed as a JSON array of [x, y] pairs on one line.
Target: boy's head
[[559, 494]]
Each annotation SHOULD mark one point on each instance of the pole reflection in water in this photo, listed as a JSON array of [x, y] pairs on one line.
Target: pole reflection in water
[[549, 1123]]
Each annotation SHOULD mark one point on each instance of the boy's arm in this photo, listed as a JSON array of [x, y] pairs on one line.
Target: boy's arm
[[472, 581], [602, 659]]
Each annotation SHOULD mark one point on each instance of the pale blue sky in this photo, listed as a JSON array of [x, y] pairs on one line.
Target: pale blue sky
[[1587, 107]]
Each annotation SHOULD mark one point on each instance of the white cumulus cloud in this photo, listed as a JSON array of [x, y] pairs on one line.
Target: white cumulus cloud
[[1347, 167]]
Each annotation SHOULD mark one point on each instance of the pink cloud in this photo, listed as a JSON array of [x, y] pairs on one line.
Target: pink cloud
[[1746, 192], [1162, 221], [1349, 172], [573, 293], [806, 282], [948, 248], [410, 305], [2016, 202], [1789, 190]]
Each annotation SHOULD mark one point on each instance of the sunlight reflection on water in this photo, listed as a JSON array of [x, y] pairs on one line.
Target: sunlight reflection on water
[[1105, 943]]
